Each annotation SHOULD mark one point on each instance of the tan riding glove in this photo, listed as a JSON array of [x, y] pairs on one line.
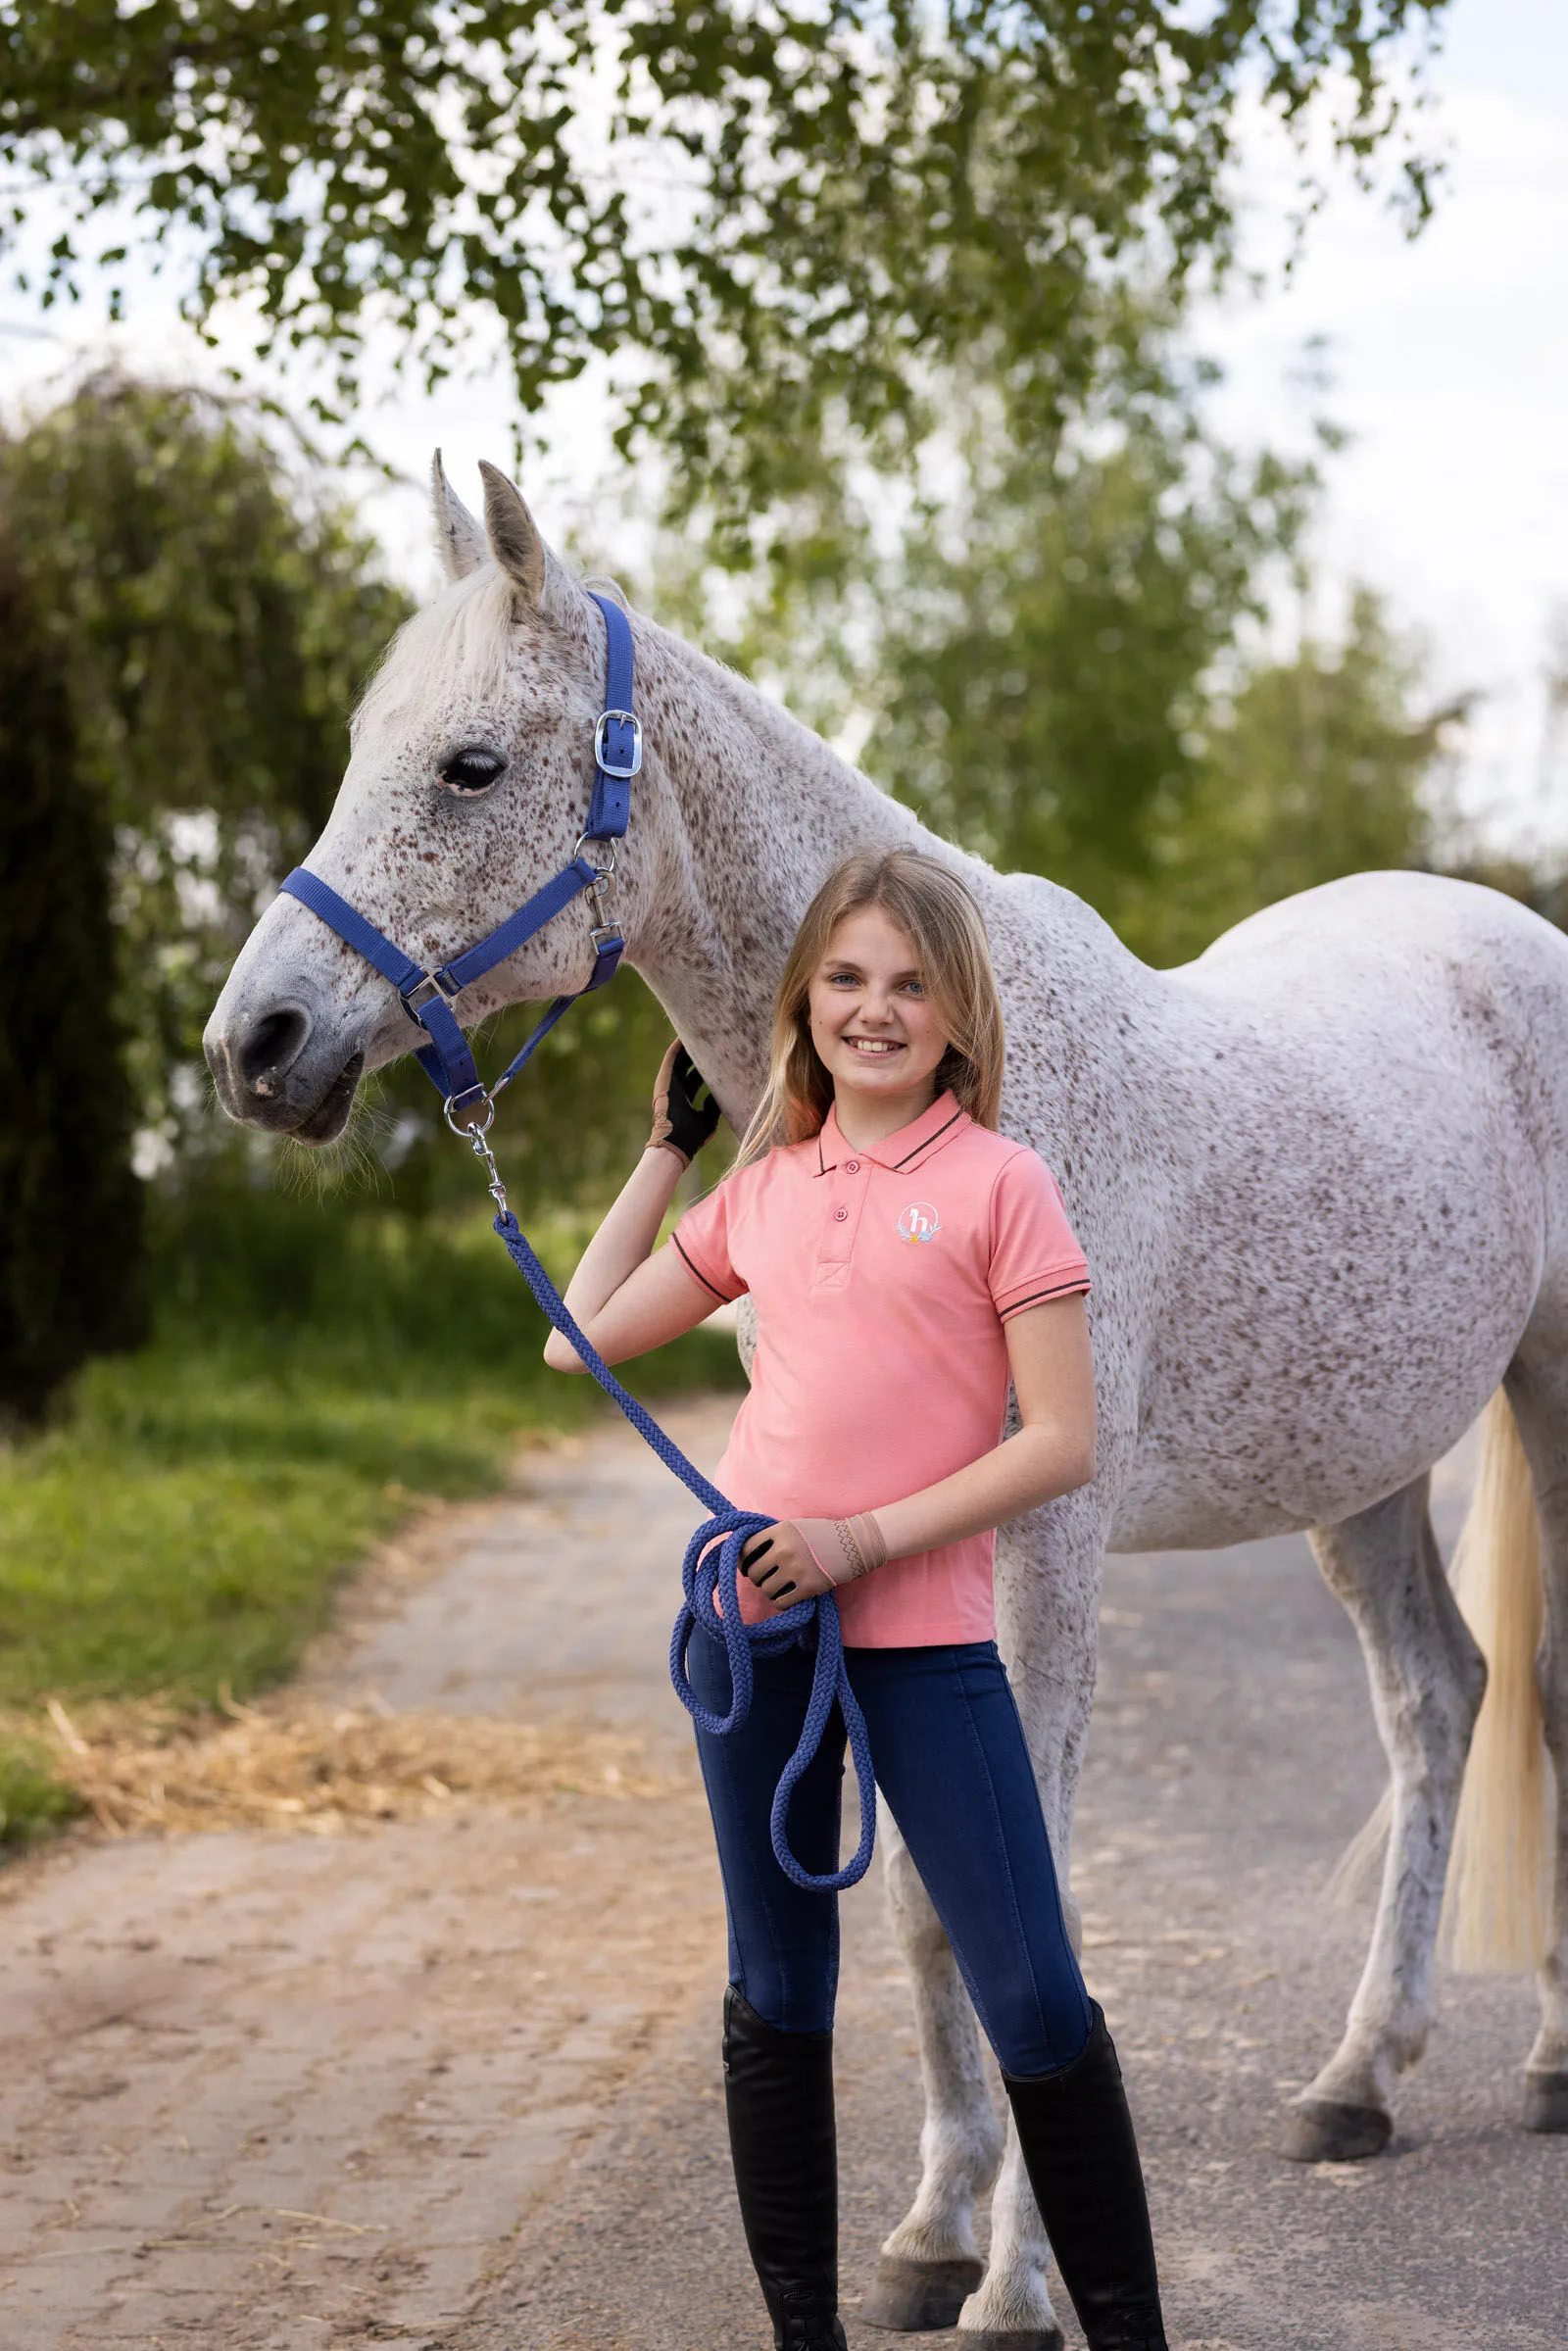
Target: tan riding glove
[[682, 1122], [801, 1557]]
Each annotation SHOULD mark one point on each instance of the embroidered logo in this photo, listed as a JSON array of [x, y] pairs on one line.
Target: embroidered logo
[[919, 1221]]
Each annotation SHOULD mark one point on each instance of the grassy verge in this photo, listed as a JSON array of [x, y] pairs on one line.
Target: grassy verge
[[180, 1529]]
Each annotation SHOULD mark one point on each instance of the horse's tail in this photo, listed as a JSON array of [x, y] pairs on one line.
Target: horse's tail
[[1496, 1912]]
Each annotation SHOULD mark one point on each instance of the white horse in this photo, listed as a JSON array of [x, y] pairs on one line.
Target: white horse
[[1321, 1176]]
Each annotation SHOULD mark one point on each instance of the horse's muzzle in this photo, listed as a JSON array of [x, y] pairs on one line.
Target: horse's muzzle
[[266, 1076]]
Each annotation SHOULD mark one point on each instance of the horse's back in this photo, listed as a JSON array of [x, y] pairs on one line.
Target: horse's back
[[1424, 998], [1370, 1086], [1378, 925]]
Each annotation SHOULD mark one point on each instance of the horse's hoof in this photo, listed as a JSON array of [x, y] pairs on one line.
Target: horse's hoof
[[1322, 2131], [917, 2297], [1546, 2102], [1038, 2339]]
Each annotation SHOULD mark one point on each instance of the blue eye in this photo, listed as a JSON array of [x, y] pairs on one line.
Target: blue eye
[[472, 770]]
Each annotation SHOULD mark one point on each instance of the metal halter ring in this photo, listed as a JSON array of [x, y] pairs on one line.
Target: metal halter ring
[[470, 1130], [604, 860]]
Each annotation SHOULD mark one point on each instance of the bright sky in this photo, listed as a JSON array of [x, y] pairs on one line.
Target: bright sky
[[1449, 360], [1449, 365]]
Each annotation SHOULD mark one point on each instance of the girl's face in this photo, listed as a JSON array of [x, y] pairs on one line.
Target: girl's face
[[877, 1035]]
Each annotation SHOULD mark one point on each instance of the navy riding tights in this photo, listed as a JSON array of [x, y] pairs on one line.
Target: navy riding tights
[[952, 1766]]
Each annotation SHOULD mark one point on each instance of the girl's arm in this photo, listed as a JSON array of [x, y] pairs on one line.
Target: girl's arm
[[623, 1299], [1051, 1453]]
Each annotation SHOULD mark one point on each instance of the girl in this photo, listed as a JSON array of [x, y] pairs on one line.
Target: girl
[[905, 1261]]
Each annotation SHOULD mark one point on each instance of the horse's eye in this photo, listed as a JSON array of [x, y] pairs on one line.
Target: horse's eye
[[472, 770]]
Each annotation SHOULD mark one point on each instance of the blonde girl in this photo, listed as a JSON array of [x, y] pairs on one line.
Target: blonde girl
[[907, 1263]]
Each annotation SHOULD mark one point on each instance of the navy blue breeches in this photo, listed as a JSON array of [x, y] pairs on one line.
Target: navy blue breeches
[[954, 1769]]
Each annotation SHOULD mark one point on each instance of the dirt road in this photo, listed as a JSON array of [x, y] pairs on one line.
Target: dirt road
[[453, 2082]]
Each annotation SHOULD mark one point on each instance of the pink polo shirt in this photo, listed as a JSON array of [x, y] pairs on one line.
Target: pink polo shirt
[[882, 1280]]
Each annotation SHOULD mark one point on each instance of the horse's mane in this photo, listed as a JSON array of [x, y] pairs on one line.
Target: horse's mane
[[464, 637]]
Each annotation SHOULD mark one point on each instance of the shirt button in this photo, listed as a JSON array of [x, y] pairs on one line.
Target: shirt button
[[852, 1166], [841, 1215]]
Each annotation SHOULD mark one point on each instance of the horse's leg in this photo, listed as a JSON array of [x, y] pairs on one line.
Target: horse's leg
[[1539, 1394], [1048, 1622], [1427, 1678], [930, 2262]]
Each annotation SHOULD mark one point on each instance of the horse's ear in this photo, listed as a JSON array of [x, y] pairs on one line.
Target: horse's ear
[[513, 536], [459, 540]]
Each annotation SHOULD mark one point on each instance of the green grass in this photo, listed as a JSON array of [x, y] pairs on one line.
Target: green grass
[[180, 1529], [32, 1801]]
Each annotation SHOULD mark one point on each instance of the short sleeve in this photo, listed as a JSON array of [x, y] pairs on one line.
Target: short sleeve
[[703, 1237], [1035, 1254]]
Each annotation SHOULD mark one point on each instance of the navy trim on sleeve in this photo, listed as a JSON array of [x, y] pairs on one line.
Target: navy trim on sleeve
[[722, 1299], [1038, 1298]]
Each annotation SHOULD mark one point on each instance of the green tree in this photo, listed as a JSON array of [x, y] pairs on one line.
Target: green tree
[[1041, 682], [1051, 663], [71, 1223], [1315, 766], [782, 219], [183, 629], [209, 616]]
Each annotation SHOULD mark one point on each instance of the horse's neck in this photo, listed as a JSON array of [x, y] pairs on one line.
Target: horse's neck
[[759, 812]]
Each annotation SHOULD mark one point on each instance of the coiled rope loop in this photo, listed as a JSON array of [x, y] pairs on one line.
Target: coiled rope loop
[[709, 1582]]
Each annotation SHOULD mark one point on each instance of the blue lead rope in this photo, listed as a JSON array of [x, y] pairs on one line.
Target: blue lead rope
[[712, 1566]]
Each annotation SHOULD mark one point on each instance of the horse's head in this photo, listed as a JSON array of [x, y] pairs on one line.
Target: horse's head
[[467, 781]]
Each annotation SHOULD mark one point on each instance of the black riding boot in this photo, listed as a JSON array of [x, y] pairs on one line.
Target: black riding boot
[[1082, 2159], [778, 2093]]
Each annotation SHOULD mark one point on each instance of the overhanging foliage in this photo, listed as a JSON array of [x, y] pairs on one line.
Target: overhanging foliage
[[786, 212]]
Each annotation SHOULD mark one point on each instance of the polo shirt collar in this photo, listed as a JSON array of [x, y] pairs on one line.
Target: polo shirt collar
[[910, 1148]]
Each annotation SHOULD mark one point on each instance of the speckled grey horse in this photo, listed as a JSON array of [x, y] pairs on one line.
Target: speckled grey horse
[[1319, 1174]]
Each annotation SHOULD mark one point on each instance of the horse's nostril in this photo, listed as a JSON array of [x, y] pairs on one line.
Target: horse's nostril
[[269, 1049]]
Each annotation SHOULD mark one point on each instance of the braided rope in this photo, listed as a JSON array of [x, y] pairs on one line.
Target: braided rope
[[710, 1569]]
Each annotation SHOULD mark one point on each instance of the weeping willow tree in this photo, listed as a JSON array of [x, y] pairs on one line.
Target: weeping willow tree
[[186, 624], [71, 1222]]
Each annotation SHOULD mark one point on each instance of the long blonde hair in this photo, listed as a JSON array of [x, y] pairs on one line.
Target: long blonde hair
[[940, 917]]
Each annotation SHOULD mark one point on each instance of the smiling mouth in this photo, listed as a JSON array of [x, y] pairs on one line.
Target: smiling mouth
[[874, 1048]]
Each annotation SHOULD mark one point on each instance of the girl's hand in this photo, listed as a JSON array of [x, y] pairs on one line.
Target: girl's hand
[[681, 1125], [800, 1558]]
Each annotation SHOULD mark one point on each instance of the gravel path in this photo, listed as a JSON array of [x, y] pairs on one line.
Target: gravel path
[[455, 2083]]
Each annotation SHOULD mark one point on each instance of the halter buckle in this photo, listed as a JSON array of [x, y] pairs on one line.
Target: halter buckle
[[625, 769], [415, 999]]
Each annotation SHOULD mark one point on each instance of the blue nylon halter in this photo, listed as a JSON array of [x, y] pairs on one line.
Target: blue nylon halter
[[710, 1569], [428, 995]]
